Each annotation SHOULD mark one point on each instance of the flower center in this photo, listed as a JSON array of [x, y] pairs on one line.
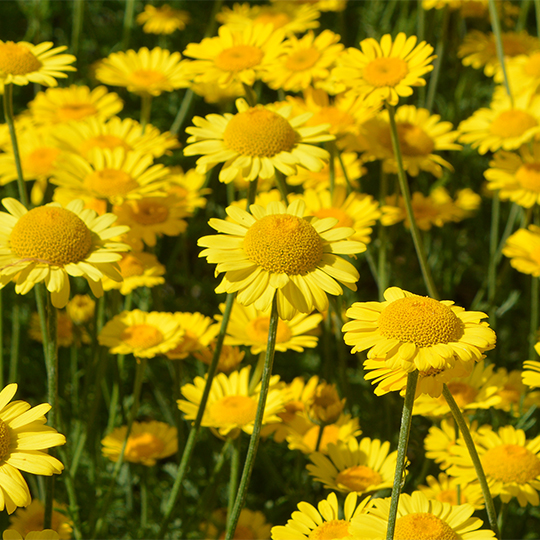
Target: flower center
[[284, 244], [238, 58], [358, 478], [420, 320], [303, 59], [145, 445], [532, 67], [40, 161], [16, 60], [5, 441], [259, 132], [512, 123], [75, 111], [257, 330], [52, 236], [103, 141], [344, 220], [238, 410], [385, 72], [509, 394], [142, 336], [511, 463], [130, 266], [144, 78], [330, 530], [110, 182], [414, 141], [423, 526], [528, 175], [330, 435], [279, 20], [462, 393], [450, 496], [149, 212]]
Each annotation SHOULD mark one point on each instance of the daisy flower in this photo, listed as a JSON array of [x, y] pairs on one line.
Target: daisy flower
[[251, 524], [81, 309], [417, 332], [140, 333], [229, 360], [523, 249], [162, 20], [189, 188], [420, 517], [385, 71], [24, 440], [256, 141], [50, 243], [29, 519], [448, 490], [531, 371], [249, 326], [22, 63], [276, 251], [510, 461], [323, 521], [357, 466], [199, 332], [144, 72], [147, 442], [523, 73], [324, 406]]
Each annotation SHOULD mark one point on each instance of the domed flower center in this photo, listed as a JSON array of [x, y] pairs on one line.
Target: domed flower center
[[75, 111], [511, 463], [330, 435], [463, 393], [142, 336], [331, 530], [51, 235], [358, 478], [385, 72], [40, 162], [238, 410], [420, 320], [423, 526], [143, 445], [149, 212], [344, 220], [103, 141], [303, 59], [257, 330], [414, 141], [144, 78], [279, 20], [16, 59], [259, 132], [532, 67], [528, 175], [110, 183], [513, 123], [130, 266], [284, 244], [5, 441], [238, 58]]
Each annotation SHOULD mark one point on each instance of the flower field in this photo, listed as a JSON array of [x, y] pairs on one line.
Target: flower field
[[270, 270]]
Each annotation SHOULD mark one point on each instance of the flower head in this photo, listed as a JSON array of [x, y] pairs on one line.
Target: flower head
[[162, 20], [199, 331], [31, 518], [523, 249]]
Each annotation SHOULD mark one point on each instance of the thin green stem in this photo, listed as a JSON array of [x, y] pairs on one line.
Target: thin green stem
[[15, 342], [332, 166], [182, 112], [492, 268], [496, 27], [128, 23], [382, 265], [466, 434], [255, 436], [345, 173], [235, 473], [403, 442], [537, 13], [319, 438], [78, 11], [533, 335], [257, 373], [252, 193], [250, 95], [282, 186], [502, 516], [439, 52], [146, 109], [143, 478]]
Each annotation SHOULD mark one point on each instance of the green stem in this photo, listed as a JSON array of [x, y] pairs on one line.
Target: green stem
[[252, 193], [492, 268], [250, 95], [496, 26], [182, 112], [502, 516], [405, 192], [537, 13], [466, 434], [533, 337], [282, 186], [15, 342], [255, 436], [128, 23], [146, 108], [439, 51], [257, 373], [382, 266], [332, 167], [345, 173], [235, 471], [319, 438], [144, 497], [78, 12], [403, 442]]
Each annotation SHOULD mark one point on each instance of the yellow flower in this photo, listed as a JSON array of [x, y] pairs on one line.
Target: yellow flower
[[162, 20], [523, 249], [22, 63], [66, 334], [199, 332], [448, 490], [385, 71], [147, 442], [24, 439], [144, 72], [276, 251], [256, 141], [81, 308], [140, 333], [531, 371], [324, 407], [50, 243], [251, 524], [229, 359], [188, 188], [523, 73]]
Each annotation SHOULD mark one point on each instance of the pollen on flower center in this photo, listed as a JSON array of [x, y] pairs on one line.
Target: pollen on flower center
[[257, 330], [511, 463], [528, 175], [385, 72], [149, 212], [75, 111], [358, 478], [344, 220], [330, 530], [259, 132], [238, 58], [147, 77], [303, 59], [414, 141], [143, 445], [462, 393], [130, 266], [423, 526], [51, 235], [238, 410], [284, 244], [5, 441], [142, 336], [110, 182], [16, 59], [420, 320], [512, 123]]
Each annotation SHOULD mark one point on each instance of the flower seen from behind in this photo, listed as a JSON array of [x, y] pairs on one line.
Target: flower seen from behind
[[162, 20]]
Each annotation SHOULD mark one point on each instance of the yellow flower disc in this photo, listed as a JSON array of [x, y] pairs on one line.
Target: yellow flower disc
[[344, 220], [259, 132], [130, 266], [330, 530], [414, 141], [144, 78], [511, 463], [75, 111], [149, 212], [462, 393], [257, 330], [40, 161], [528, 175], [144, 445], [51, 235], [423, 526], [16, 59], [303, 59], [5, 441], [532, 67], [239, 410], [238, 58], [142, 336], [110, 182], [385, 72], [420, 320], [283, 244], [358, 478], [512, 123]]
